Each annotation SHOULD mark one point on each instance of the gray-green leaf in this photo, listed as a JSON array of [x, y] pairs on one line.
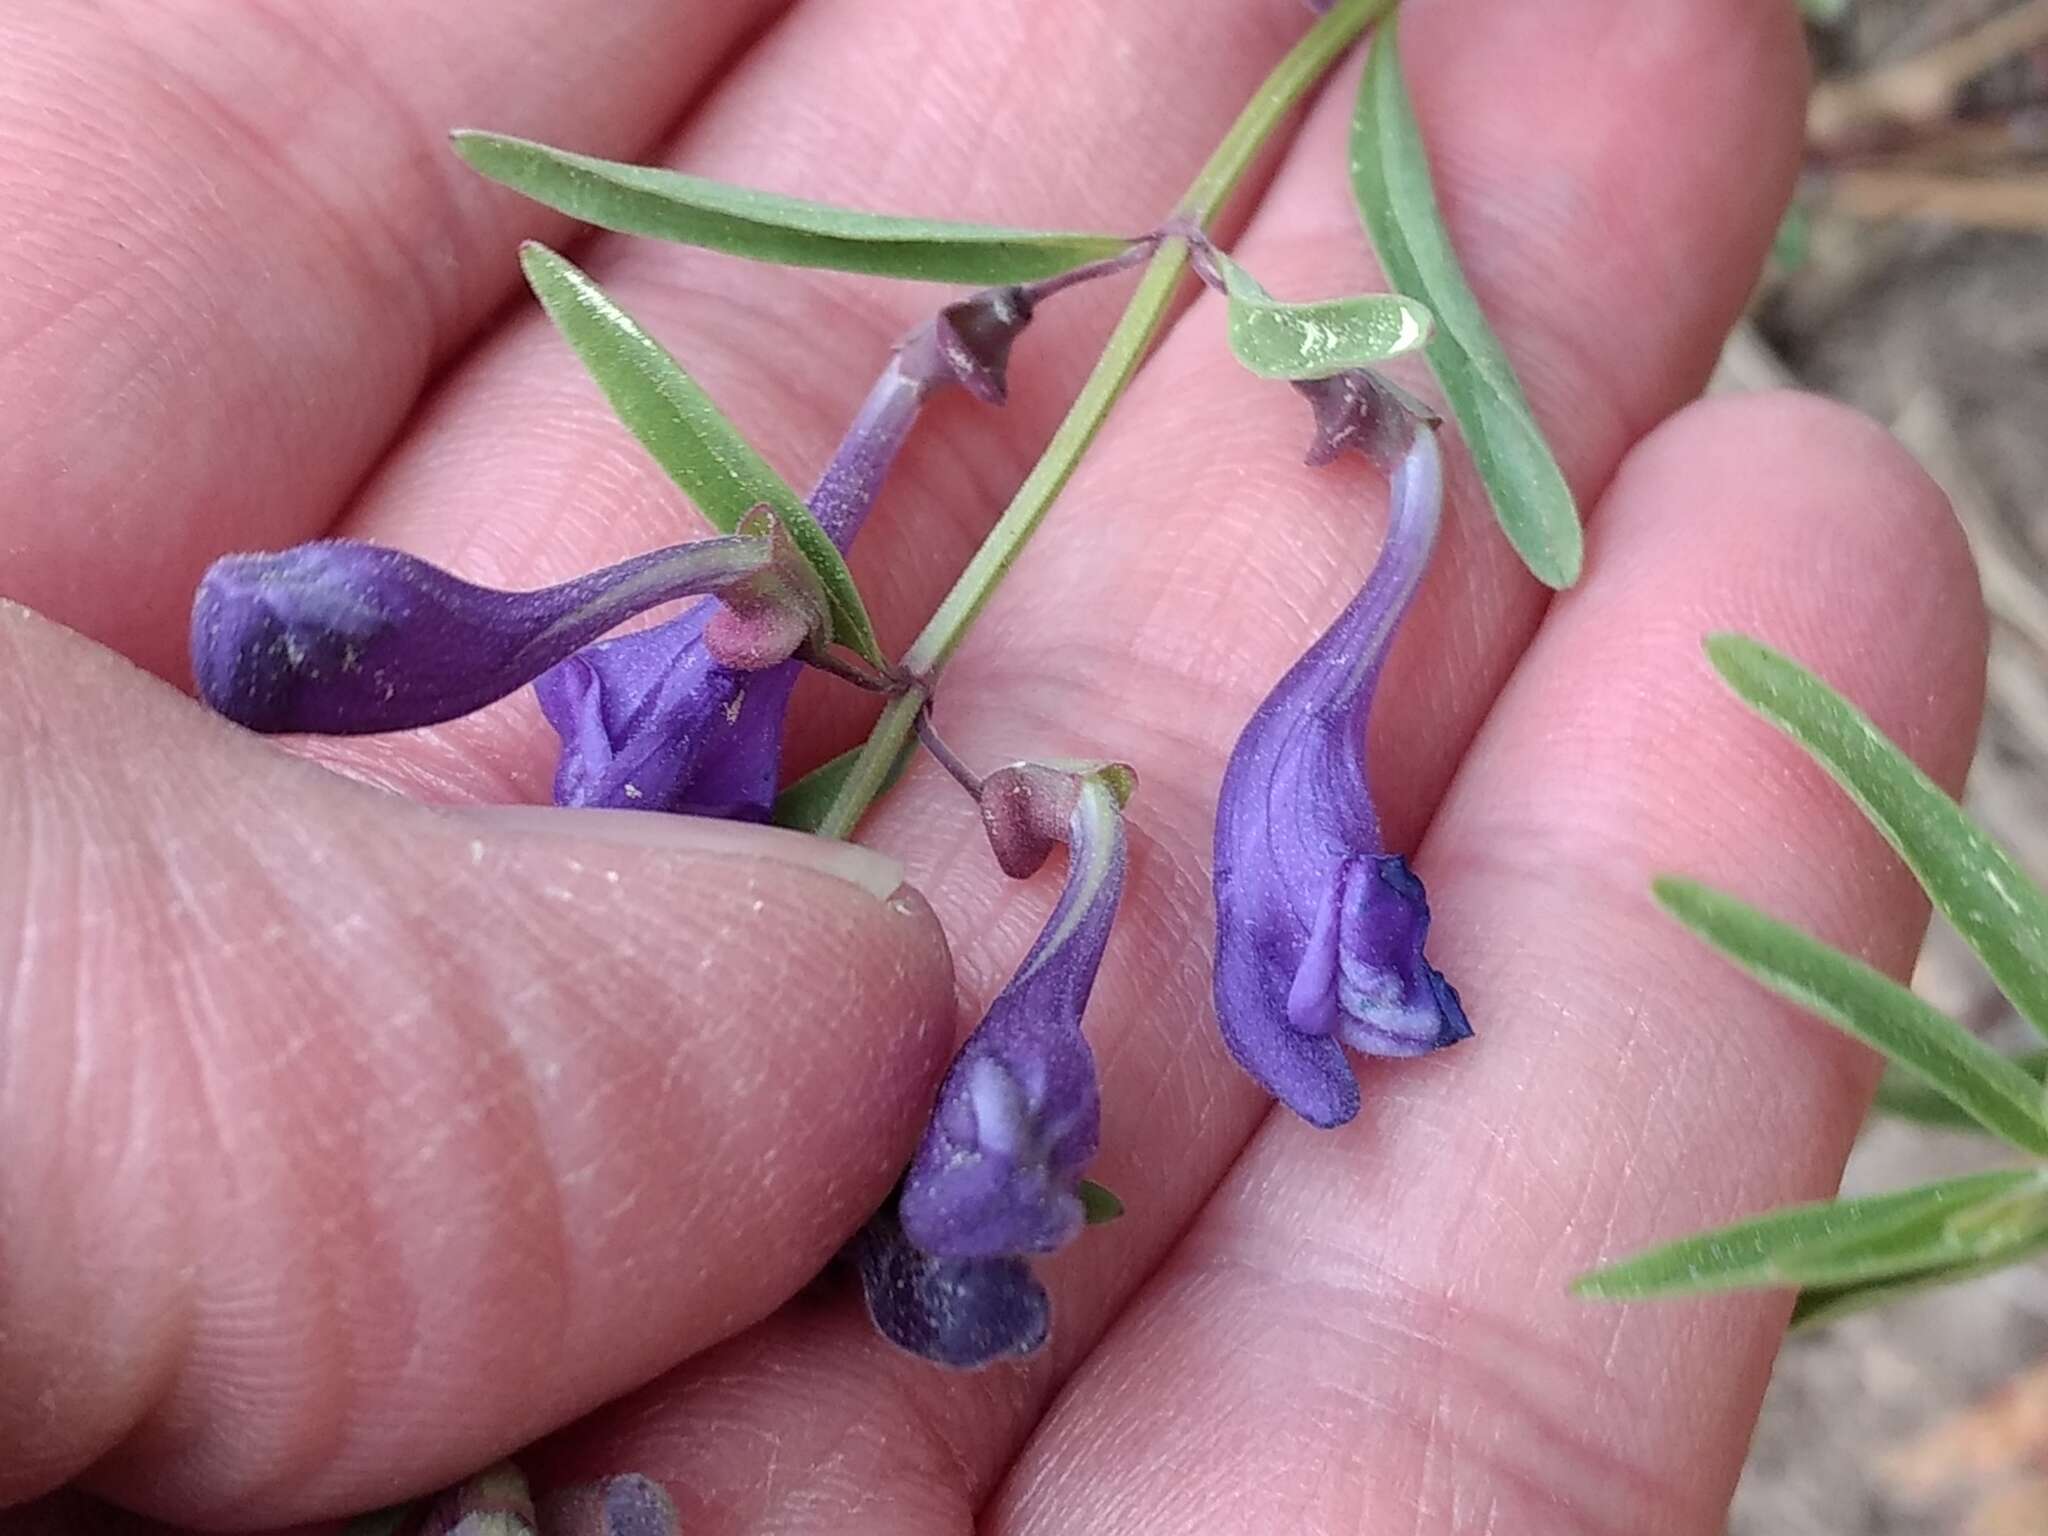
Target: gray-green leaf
[[764, 226], [1871, 1006], [1824, 1304], [676, 421], [1994, 906], [1277, 340], [802, 806], [1397, 199], [1903, 1095], [1832, 1242]]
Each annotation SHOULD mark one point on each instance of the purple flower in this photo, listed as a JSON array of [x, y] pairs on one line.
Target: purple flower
[[350, 639], [651, 721], [1319, 930], [996, 1179], [1019, 1116]]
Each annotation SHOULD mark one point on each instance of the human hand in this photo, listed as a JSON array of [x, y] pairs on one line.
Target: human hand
[[348, 1143]]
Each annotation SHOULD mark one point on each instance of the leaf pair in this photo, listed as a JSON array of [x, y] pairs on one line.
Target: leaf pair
[[1852, 1253]]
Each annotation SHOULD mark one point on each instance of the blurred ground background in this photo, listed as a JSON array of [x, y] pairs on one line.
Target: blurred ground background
[[1913, 287]]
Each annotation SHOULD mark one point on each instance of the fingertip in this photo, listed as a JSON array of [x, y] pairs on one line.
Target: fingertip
[[422, 1130]]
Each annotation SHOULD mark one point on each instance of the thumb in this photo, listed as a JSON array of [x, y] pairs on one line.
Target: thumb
[[345, 1143]]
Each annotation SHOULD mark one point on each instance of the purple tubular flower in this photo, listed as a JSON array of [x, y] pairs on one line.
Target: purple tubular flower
[[1019, 1115], [944, 1267], [350, 639], [650, 721], [1319, 930]]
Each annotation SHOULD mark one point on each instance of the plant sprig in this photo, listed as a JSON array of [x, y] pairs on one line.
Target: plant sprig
[[1292, 78], [1845, 1255]]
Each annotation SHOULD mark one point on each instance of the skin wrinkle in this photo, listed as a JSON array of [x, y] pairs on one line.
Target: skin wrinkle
[[1478, 1361], [319, 194], [323, 1394]]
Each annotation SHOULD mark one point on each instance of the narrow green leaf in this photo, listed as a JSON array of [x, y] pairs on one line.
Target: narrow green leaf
[[2001, 913], [1390, 177], [1872, 1007], [1277, 340], [1099, 1205], [1827, 1303], [1903, 1095], [686, 433], [1831, 1240], [667, 205], [802, 806]]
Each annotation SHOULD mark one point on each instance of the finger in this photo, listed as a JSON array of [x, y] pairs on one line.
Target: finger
[[346, 1144], [1192, 560], [1372, 1328], [1071, 116], [245, 248]]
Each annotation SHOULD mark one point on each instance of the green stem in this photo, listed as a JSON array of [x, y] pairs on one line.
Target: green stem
[[1292, 78]]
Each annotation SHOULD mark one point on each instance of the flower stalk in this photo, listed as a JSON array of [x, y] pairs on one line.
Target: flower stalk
[[1292, 78]]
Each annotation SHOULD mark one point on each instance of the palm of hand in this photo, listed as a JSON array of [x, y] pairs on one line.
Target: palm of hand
[[361, 1140]]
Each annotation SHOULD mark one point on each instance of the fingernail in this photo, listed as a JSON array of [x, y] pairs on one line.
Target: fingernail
[[876, 873]]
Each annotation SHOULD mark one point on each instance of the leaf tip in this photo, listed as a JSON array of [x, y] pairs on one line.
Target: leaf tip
[[1569, 566], [1731, 650], [1557, 563], [1591, 1286], [538, 261], [1674, 893]]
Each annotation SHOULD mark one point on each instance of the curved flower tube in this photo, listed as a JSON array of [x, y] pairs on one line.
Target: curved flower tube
[[350, 639], [1019, 1116], [1319, 930]]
